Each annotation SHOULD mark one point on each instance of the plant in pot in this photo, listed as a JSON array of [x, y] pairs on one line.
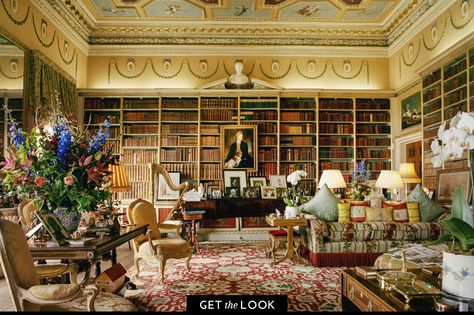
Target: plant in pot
[[359, 176], [296, 195], [58, 167], [458, 263]]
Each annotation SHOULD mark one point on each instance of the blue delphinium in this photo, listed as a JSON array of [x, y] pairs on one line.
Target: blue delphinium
[[19, 139], [64, 145], [100, 139]]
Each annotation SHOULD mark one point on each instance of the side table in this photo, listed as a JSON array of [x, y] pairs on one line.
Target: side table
[[288, 225]]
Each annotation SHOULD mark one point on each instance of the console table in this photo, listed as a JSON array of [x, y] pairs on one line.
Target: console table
[[234, 208]]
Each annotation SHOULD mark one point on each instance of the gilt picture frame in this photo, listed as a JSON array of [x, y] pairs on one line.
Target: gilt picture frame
[[449, 180], [411, 110], [164, 191], [239, 147]]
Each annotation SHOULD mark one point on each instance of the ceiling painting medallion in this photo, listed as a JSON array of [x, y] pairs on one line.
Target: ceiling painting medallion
[[241, 9], [107, 8], [351, 2], [306, 9], [274, 2], [372, 12], [173, 8]]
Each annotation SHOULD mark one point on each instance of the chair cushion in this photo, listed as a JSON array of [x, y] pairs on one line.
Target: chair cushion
[[54, 291], [105, 302], [429, 210], [323, 205], [166, 244], [278, 233]]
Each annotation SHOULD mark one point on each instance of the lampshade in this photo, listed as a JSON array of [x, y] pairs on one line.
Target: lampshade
[[332, 178], [118, 179], [408, 174], [389, 179]]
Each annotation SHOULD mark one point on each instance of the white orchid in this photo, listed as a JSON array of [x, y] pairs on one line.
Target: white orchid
[[453, 140], [296, 176]]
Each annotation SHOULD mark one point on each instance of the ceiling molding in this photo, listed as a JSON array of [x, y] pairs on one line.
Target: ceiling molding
[[66, 22], [420, 22], [217, 50]]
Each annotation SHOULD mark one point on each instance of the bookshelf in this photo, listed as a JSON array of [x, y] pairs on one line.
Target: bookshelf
[[446, 90], [336, 135], [298, 143]]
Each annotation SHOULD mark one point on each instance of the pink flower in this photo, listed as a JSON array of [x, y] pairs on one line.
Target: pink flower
[[69, 180], [93, 175], [39, 181], [9, 163]]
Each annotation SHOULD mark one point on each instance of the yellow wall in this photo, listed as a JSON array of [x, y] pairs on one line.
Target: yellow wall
[[26, 26], [186, 72]]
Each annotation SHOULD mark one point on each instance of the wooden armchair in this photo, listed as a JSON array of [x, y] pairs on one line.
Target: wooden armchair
[[152, 247], [29, 295]]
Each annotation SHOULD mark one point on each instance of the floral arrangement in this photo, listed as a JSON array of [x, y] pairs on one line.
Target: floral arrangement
[[359, 177], [296, 196], [57, 166], [455, 140]]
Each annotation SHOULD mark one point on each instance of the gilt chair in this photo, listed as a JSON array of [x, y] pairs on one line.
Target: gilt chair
[[152, 247], [29, 295]]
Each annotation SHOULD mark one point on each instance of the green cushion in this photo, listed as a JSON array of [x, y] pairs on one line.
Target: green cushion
[[429, 210], [323, 205]]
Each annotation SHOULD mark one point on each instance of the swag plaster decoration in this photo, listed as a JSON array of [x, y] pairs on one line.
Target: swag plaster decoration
[[45, 45], [12, 19], [13, 69]]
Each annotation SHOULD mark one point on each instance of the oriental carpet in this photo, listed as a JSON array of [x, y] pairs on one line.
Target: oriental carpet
[[236, 268]]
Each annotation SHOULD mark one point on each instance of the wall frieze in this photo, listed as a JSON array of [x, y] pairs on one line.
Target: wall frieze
[[38, 36], [12, 18], [348, 74]]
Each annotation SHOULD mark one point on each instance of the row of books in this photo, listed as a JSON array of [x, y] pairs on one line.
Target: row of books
[[102, 103], [188, 171], [375, 154], [138, 190], [343, 166], [114, 145], [432, 78], [432, 107], [372, 141], [210, 129], [184, 103], [208, 155], [210, 140], [336, 116], [299, 103], [369, 103], [98, 118], [454, 68], [296, 154], [376, 129], [219, 103], [336, 141], [211, 171], [179, 116], [179, 154], [267, 154], [141, 116], [263, 127], [436, 118], [259, 115], [336, 153], [432, 93], [172, 140], [297, 129], [138, 173], [297, 116], [143, 141], [378, 165], [265, 169], [142, 129], [455, 97], [267, 140], [140, 156], [217, 115], [336, 103], [258, 103], [298, 140], [336, 128], [179, 128], [141, 103], [455, 83], [373, 117], [308, 167], [452, 111]]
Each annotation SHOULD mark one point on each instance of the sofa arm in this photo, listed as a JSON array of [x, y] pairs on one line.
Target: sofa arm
[[312, 236], [317, 224]]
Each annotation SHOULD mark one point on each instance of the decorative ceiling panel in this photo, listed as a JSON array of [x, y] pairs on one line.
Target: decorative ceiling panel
[[240, 22]]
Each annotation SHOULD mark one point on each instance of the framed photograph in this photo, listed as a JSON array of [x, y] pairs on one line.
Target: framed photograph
[[164, 191], [411, 110], [281, 193], [449, 180], [232, 192], [54, 227], [216, 194], [278, 181], [239, 147], [210, 189], [252, 192], [269, 192], [257, 181], [236, 179]]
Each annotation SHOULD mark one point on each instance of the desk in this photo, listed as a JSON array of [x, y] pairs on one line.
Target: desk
[[190, 228], [234, 208], [91, 252], [288, 225]]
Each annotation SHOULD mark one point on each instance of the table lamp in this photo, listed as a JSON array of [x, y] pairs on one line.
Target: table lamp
[[389, 180], [408, 175], [332, 178]]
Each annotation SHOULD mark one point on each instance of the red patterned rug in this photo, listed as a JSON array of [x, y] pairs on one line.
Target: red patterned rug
[[239, 268]]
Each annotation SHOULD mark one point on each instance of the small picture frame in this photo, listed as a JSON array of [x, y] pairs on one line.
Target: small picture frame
[[278, 181], [210, 189], [257, 181], [164, 191], [232, 192], [236, 179], [281, 193], [269, 192], [216, 194], [252, 192], [54, 227]]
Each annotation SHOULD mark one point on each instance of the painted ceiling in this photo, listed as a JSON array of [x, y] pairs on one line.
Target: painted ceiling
[[241, 22]]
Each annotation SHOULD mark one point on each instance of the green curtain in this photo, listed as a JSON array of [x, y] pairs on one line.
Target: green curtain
[[46, 79]]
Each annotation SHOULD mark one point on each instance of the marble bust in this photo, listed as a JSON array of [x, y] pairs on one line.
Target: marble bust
[[238, 80]]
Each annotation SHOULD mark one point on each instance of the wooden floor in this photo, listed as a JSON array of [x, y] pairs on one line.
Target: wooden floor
[[124, 256]]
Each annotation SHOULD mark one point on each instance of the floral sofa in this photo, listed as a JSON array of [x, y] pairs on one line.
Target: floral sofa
[[327, 242]]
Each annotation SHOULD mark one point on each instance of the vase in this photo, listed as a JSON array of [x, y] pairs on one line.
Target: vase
[[69, 220], [290, 212], [458, 271]]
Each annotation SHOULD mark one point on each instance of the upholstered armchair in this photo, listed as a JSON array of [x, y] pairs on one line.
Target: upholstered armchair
[[29, 295], [152, 247]]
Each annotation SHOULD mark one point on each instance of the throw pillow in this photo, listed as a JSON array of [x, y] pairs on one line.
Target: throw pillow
[[413, 211], [358, 210], [429, 210], [344, 212], [400, 211], [376, 202], [323, 205], [378, 214]]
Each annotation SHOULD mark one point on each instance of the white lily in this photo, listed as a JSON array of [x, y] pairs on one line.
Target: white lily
[[295, 177], [435, 148], [470, 142], [436, 161], [466, 122]]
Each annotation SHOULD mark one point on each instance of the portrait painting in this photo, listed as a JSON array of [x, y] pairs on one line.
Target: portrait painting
[[54, 227], [449, 180], [278, 181], [164, 191], [239, 147], [235, 179], [411, 110]]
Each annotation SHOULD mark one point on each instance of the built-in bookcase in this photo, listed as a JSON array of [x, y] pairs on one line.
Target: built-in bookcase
[[446, 90]]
